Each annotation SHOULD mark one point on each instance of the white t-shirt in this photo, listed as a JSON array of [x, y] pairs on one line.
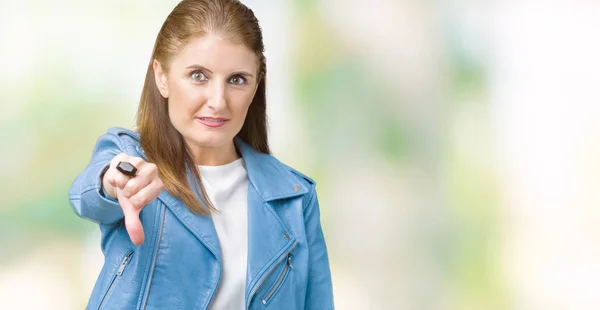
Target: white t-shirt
[[227, 189]]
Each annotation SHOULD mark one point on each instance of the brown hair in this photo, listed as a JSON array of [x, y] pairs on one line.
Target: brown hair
[[162, 143]]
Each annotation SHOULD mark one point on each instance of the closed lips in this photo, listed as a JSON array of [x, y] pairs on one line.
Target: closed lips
[[211, 119], [212, 122]]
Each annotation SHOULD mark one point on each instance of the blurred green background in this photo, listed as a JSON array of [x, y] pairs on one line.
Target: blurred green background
[[455, 144]]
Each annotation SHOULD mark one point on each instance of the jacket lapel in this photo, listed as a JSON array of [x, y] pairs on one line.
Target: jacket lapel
[[268, 237], [202, 227], [270, 178], [268, 240]]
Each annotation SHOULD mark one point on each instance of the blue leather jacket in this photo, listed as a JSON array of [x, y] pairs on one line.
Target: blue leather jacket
[[179, 264]]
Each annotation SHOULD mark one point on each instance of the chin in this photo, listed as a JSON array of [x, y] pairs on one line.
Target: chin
[[209, 140]]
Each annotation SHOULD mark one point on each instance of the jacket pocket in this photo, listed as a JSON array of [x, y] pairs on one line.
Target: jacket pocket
[[115, 278], [280, 280]]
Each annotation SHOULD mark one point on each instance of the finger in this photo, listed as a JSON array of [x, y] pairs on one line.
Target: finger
[[132, 219], [123, 157], [115, 177], [110, 178], [120, 180], [109, 174], [134, 185], [146, 194], [147, 172], [118, 158]]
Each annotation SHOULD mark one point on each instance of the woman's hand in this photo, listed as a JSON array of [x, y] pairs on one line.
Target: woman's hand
[[133, 193]]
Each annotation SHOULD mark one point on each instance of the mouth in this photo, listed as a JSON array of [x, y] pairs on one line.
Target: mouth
[[212, 121]]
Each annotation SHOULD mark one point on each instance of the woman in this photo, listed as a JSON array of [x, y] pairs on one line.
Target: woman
[[193, 210]]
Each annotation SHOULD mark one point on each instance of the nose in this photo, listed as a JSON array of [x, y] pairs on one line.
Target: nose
[[216, 96]]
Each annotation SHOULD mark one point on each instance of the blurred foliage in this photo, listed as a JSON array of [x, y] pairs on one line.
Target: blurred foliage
[[347, 110], [470, 183], [343, 101], [344, 104], [50, 142]]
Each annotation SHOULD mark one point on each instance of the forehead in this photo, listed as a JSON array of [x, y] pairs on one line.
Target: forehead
[[216, 54]]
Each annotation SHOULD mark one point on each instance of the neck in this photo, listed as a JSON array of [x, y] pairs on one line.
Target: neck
[[214, 156]]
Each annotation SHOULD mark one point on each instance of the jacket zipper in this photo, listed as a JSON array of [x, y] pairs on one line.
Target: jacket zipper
[[116, 278], [269, 273], [282, 276], [160, 233]]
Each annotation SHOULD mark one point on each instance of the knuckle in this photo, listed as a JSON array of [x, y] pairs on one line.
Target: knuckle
[[109, 177], [121, 180], [139, 201], [134, 201], [118, 183], [130, 186], [150, 168], [137, 161], [157, 184]]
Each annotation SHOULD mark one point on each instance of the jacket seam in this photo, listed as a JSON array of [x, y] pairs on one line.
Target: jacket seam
[[300, 174], [119, 141], [310, 200], [270, 198], [125, 144], [89, 189]]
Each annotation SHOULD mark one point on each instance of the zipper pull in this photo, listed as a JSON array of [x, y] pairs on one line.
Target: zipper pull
[[123, 264], [290, 260]]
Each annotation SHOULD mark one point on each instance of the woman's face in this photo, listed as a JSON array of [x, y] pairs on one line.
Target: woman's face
[[210, 84]]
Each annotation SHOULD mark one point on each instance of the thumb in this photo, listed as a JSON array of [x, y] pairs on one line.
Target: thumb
[[132, 219]]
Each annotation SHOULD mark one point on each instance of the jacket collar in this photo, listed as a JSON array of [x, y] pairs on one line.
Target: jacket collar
[[271, 178], [269, 240]]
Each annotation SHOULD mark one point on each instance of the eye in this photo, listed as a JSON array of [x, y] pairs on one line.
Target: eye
[[198, 76], [237, 80]]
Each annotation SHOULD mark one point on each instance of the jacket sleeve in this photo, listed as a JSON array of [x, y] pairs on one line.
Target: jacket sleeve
[[319, 292], [86, 195]]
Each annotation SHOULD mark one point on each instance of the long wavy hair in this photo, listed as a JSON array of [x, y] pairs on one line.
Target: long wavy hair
[[163, 145]]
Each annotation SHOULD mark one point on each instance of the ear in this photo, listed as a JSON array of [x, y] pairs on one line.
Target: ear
[[160, 77]]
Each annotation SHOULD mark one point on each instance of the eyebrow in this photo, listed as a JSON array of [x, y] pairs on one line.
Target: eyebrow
[[199, 67]]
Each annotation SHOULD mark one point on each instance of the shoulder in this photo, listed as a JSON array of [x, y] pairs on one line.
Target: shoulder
[[305, 181], [302, 178], [271, 176], [126, 136], [310, 194], [117, 139], [308, 182], [120, 137]]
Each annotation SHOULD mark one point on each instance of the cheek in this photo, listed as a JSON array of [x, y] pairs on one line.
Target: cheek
[[184, 99], [241, 104]]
